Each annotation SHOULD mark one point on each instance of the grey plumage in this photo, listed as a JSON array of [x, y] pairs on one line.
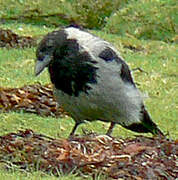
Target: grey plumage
[[92, 81]]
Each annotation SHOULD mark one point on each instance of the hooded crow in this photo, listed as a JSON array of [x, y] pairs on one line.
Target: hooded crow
[[92, 81]]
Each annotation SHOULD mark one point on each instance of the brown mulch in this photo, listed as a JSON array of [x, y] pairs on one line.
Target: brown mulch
[[11, 40], [31, 98], [132, 159]]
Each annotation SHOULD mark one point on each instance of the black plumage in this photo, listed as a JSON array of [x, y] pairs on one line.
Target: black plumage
[[73, 74], [92, 81], [109, 55]]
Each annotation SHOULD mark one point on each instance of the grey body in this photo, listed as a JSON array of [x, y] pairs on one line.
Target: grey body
[[110, 99]]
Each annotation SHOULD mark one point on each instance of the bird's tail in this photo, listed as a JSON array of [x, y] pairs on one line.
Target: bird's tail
[[149, 124]]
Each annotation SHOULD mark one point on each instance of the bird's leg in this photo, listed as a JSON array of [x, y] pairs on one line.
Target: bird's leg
[[74, 129], [110, 128]]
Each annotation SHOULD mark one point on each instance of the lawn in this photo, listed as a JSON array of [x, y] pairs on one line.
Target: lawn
[[158, 81]]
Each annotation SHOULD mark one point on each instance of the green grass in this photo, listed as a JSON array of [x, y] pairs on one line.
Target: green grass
[[27, 8], [15, 174], [156, 20], [157, 58], [143, 19]]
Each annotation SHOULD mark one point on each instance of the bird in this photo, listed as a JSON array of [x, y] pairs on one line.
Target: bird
[[92, 81]]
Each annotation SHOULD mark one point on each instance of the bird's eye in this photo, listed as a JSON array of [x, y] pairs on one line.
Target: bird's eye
[[50, 47], [44, 49]]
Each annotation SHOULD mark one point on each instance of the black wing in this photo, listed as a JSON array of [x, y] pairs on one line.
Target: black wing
[[109, 55]]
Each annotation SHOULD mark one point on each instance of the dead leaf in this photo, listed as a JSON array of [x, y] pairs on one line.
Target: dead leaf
[[92, 154]]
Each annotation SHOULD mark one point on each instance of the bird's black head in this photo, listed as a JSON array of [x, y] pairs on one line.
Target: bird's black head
[[46, 49]]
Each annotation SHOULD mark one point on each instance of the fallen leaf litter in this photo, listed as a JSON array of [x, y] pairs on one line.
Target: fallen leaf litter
[[138, 158]]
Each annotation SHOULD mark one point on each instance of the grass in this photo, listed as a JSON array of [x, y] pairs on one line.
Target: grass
[[156, 20], [37, 175], [157, 58]]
